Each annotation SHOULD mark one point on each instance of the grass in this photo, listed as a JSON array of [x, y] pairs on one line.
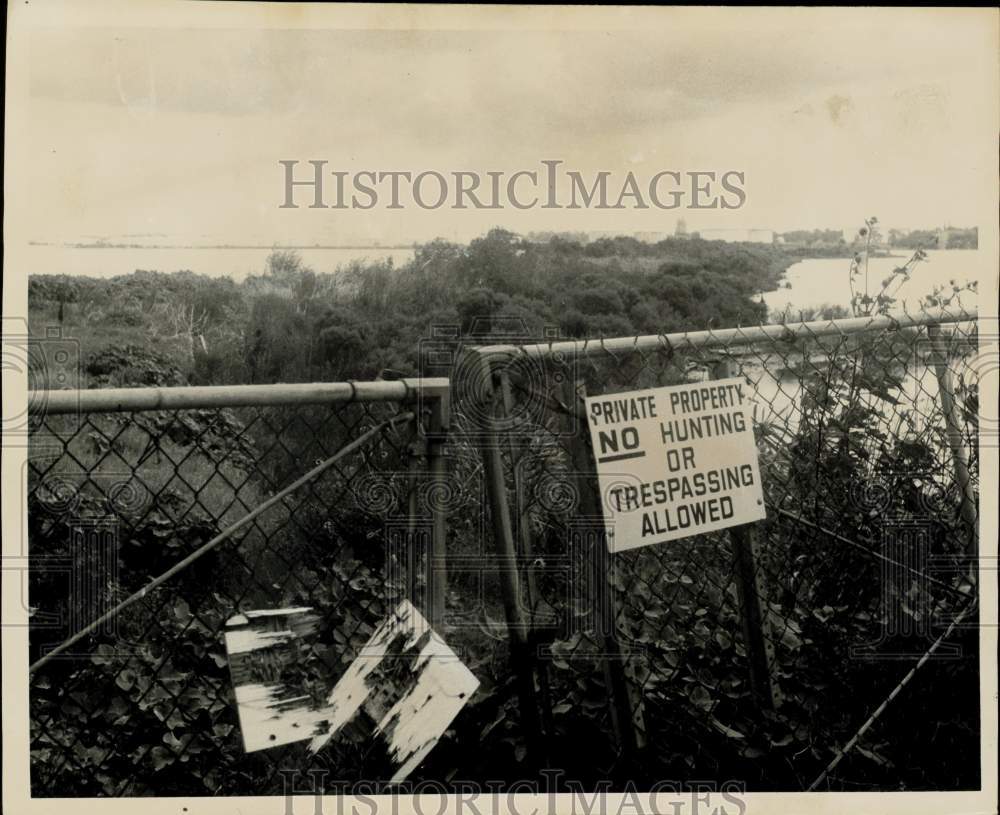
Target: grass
[[83, 334]]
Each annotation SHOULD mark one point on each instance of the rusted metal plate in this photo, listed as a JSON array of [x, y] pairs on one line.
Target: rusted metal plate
[[404, 689]]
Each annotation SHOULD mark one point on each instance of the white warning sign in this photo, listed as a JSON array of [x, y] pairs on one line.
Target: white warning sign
[[675, 462]]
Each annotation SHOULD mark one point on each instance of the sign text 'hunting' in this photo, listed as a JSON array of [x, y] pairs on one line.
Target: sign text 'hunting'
[[675, 462]]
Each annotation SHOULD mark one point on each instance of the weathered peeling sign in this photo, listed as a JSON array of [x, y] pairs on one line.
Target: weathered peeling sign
[[402, 692], [675, 462], [406, 681], [263, 646]]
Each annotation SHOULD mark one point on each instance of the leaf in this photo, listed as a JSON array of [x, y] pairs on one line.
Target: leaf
[[118, 710], [161, 758], [104, 655], [823, 614], [125, 680], [791, 640], [873, 756], [562, 708], [701, 698], [520, 752], [172, 741], [490, 727], [726, 730]]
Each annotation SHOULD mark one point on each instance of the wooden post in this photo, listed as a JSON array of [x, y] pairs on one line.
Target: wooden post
[[522, 660], [757, 636], [959, 455], [624, 718]]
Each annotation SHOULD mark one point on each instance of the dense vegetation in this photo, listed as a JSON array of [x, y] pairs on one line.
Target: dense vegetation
[[161, 719], [291, 324], [949, 238]]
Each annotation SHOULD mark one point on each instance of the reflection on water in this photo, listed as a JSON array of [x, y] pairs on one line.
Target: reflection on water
[[777, 399], [817, 282]]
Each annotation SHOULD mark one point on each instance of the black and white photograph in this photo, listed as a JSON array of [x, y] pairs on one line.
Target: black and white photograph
[[568, 410]]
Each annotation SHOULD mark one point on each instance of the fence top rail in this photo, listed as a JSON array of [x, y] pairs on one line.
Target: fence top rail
[[110, 400], [727, 336]]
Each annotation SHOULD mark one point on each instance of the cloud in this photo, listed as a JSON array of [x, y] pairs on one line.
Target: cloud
[[681, 72], [139, 128]]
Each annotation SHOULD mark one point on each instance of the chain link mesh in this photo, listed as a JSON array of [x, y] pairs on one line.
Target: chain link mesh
[[863, 560], [145, 706]]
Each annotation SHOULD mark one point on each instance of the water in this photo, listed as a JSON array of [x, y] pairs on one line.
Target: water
[[237, 263], [817, 282], [776, 395]]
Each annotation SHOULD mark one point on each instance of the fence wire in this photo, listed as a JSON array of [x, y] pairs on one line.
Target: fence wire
[[633, 667], [865, 557], [144, 705]]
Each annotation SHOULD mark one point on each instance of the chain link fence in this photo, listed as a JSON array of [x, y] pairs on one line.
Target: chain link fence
[[754, 654], [125, 484]]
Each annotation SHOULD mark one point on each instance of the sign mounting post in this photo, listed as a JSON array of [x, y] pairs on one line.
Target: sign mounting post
[[680, 461]]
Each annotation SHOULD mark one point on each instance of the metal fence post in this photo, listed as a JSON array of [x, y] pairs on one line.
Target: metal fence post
[[757, 636], [959, 455], [415, 451], [623, 717], [516, 452], [521, 657], [437, 568], [518, 447]]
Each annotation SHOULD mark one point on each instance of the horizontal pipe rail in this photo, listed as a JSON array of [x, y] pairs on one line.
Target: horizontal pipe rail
[[727, 336], [109, 400]]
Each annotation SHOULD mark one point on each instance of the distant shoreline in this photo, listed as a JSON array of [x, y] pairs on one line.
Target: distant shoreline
[[296, 247], [797, 252]]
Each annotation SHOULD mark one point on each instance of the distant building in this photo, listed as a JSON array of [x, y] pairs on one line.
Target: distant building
[[652, 237], [681, 230], [733, 235]]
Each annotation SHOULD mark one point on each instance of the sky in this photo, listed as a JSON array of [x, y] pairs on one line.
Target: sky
[[832, 115]]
